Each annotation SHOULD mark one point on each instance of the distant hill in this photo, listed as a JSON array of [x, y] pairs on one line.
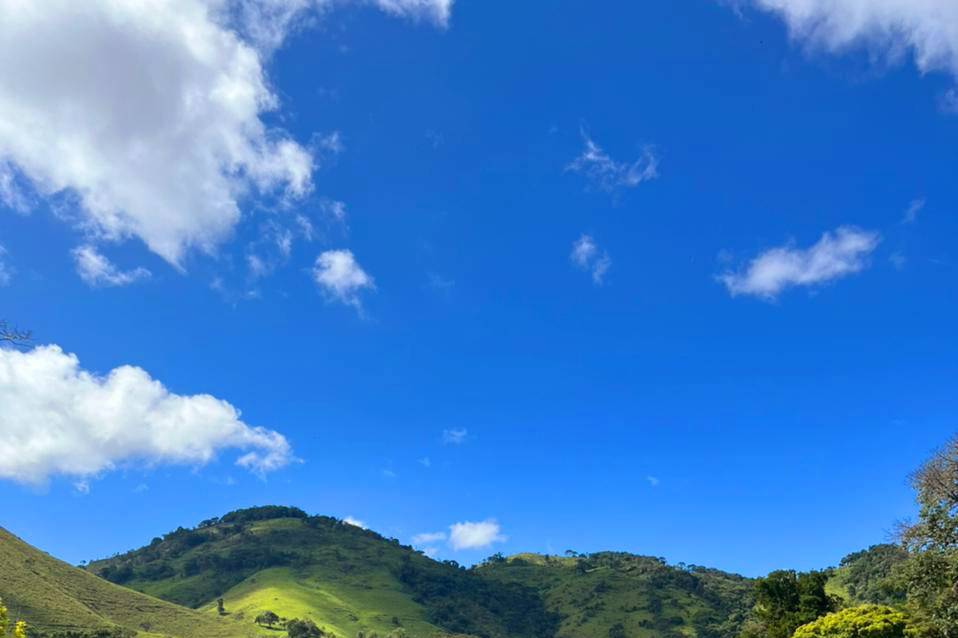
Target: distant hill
[[617, 595], [868, 576], [54, 597], [344, 578]]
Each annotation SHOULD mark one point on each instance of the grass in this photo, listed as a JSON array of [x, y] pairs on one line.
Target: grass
[[344, 605], [53, 596]]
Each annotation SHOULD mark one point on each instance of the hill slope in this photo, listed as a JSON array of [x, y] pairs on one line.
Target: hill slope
[[54, 597], [613, 595], [344, 578]]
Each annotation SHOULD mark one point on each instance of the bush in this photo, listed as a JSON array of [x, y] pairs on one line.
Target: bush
[[867, 621]]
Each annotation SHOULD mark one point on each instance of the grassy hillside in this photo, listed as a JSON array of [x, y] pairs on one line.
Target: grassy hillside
[[614, 595], [344, 578], [54, 597]]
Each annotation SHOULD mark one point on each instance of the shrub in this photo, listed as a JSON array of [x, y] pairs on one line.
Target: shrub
[[867, 621]]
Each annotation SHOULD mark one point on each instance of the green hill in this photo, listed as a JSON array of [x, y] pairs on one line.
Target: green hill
[[869, 576], [613, 595], [344, 578], [55, 598]]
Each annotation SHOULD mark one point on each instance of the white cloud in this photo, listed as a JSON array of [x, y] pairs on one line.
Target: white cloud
[[355, 522], [150, 114], [58, 419], [6, 272], [425, 462], [586, 255], [341, 277], [96, 270], [926, 30], [455, 437], [609, 175], [898, 260], [653, 480], [839, 254], [82, 487], [914, 207], [334, 208], [431, 552], [428, 538], [475, 535]]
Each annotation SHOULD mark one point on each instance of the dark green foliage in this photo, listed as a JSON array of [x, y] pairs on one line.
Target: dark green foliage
[[463, 602], [297, 628], [265, 513], [786, 600], [873, 575], [610, 593], [267, 618]]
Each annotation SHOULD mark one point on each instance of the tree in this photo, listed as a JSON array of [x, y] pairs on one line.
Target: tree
[[267, 618], [786, 600], [867, 621], [20, 630], [931, 574], [3, 619], [13, 335], [306, 628], [220, 608]]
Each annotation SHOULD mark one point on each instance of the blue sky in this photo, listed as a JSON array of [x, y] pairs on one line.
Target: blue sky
[[671, 278]]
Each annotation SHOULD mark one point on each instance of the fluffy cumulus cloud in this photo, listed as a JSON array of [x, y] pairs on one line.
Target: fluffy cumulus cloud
[[837, 254], [58, 419], [149, 115], [927, 30], [587, 256], [96, 270], [610, 175], [475, 535], [340, 277]]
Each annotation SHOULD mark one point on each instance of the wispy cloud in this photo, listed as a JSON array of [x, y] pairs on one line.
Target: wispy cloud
[[652, 480], [98, 271], [6, 272], [587, 256], [428, 538], [911, 213], [892, 30], [425, 462], [610, 175], [837, 254], [455, 437]]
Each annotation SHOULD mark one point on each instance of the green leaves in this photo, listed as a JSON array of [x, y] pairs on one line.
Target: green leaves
[[867, 621]]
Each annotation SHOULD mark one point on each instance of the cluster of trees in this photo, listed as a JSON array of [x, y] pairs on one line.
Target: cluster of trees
[[909, 589], [19, 627], [295, 627]]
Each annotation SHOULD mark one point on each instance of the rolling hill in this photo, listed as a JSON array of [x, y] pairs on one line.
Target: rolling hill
[[54, 597], [350, 580], [612, 595], [346, 579]]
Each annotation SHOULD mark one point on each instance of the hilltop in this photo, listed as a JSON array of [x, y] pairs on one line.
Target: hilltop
[[350, 580], [344, 578], [54, 597]]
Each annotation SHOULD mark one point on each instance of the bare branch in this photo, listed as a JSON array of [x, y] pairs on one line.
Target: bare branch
[[13, 335]]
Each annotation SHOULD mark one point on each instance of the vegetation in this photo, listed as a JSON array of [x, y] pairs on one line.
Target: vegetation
[[786, 600], [55, 599], [872, 576], [318, 568], [867, 621], [931, 573], [618, 595]]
